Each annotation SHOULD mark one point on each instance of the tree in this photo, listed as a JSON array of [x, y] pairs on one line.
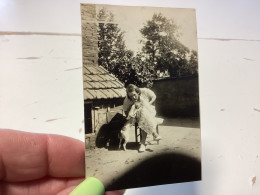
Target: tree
[[193, 63], [116, 58], [113, 54], [163, 49], [162, 53], [143, 73]]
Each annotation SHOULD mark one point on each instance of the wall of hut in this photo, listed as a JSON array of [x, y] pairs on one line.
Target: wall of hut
[[99, 113]]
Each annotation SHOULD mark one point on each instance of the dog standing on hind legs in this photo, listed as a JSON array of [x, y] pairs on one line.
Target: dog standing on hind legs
[[124, 134]]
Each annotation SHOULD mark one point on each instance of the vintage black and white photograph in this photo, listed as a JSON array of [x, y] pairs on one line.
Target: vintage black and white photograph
[[141, 95]]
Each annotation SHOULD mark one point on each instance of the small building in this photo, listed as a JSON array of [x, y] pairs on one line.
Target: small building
[[103, 92], [103, 97]]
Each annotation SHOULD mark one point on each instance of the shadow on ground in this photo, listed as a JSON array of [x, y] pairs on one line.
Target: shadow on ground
[[161, 169]]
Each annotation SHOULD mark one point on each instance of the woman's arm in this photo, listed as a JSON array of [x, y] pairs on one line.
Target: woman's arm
[[152, 96], [127, 105], [152, 99]]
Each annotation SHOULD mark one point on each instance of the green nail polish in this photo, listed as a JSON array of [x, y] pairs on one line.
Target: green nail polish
[[91, 186]]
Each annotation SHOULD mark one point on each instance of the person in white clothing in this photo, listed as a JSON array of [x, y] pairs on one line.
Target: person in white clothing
[[138, 107]]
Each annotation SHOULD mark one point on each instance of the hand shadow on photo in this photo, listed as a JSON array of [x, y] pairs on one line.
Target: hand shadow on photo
[[166, 168], [107, 136]]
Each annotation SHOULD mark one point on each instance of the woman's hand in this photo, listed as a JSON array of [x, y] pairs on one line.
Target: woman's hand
[[138, 105]]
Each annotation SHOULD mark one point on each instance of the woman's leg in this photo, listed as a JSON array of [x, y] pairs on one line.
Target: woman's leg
[[142, 141], [144, 135], [156, 136]]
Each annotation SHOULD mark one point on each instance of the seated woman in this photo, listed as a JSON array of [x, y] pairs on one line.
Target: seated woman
[[138, 108]]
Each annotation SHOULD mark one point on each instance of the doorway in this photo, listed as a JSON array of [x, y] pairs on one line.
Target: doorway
[[88, 118]]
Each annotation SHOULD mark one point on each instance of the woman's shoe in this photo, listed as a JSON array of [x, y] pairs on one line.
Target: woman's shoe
[[157, 138], [142, 148]]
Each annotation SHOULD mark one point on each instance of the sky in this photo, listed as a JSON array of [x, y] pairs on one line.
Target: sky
[[131, 19]]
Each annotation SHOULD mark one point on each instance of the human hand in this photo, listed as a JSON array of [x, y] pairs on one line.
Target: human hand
[[138, 105], [40, 164]]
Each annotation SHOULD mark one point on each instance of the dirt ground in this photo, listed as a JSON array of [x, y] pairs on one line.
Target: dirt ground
[[175, 159]]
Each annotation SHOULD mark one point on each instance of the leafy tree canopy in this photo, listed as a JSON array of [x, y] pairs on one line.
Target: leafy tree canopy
[[163, 48], [162, 53]]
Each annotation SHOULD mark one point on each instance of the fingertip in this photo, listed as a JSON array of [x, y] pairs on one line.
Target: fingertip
[[66, 156]]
